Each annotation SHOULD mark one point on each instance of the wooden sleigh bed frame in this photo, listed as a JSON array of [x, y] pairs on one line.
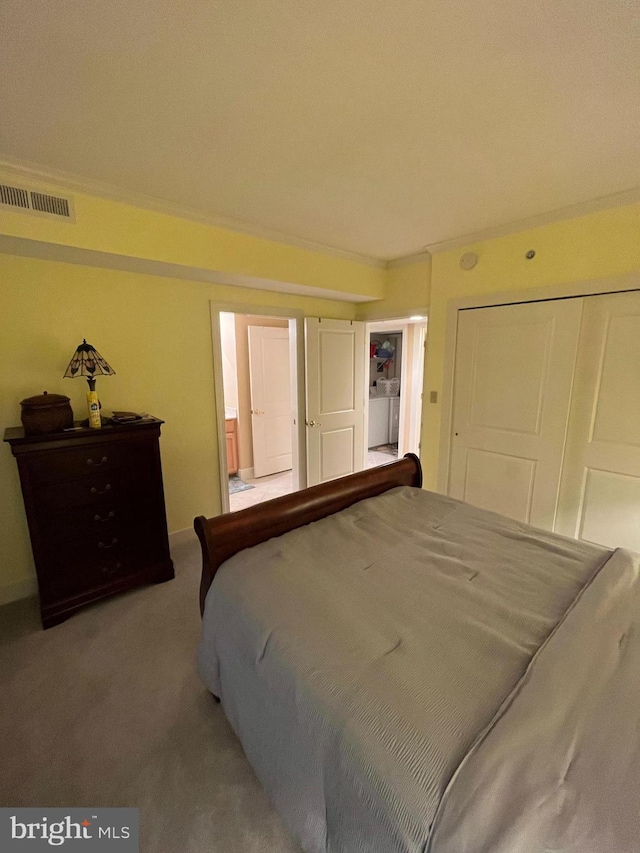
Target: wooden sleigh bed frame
[[404, 704], [223, 536]]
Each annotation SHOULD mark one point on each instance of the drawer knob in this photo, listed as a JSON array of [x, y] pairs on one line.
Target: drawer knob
[[110, 515], [97, 464], [95, 491], [113, 542], [109, 570]]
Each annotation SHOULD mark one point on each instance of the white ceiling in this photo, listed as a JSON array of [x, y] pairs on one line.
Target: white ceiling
[[374, 127]]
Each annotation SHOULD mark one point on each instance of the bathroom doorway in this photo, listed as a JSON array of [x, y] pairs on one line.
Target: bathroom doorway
[[260, 389]]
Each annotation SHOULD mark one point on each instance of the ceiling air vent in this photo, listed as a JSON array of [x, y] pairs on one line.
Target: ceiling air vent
[[50, 204], [36, 203], [14, 196]]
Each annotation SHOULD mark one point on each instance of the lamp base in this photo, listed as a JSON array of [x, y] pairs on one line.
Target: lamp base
[[94, 409]]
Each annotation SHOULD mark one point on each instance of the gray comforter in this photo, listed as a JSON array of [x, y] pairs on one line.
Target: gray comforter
[[415, 674]]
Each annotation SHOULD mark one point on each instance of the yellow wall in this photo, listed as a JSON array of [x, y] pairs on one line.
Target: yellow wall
[[122, 229], [407, 292], [155, 331], [589, 247], [156, 334]]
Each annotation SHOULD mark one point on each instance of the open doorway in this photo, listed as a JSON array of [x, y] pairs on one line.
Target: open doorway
[[394, 388], [260, 390]]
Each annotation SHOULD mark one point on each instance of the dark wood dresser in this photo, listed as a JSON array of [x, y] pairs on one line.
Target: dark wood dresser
[[95, 507]]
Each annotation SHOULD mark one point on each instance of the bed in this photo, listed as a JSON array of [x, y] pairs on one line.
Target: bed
[[409, 673]]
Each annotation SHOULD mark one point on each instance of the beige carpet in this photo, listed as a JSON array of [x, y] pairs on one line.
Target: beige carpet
[[107, 710]]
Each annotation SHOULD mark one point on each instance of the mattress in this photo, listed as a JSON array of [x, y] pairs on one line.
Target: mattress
[[411, 674]]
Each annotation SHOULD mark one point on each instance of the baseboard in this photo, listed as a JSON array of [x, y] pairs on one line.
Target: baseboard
[[245, 473], [16, 591], [182, 537], [29, 587]]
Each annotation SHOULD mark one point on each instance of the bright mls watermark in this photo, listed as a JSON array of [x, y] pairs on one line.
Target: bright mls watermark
[[80, 830]]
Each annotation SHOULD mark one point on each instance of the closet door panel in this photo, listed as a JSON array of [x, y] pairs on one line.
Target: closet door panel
[[600, 493], [618, 395], [499, 482], [512, 387]]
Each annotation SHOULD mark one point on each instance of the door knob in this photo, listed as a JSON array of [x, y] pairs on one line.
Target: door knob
[[313, 423]]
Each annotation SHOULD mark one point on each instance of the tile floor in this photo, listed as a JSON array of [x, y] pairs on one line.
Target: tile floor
[[275, 485], [265, 488], [382, 455]]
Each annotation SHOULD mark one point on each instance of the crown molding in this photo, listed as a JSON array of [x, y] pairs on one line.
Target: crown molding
[[573, 211], [28, 171]]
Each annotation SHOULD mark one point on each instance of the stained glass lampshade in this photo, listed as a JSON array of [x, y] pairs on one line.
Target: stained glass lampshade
[[88, 362]]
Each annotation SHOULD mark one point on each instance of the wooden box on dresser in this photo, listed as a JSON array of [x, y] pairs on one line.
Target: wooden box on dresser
[[95, 508]]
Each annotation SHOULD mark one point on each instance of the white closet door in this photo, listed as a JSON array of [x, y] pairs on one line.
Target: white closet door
[[600, 493], [513, 378]]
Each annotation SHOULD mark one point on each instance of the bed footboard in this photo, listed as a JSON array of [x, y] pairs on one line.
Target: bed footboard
[[223, 536]]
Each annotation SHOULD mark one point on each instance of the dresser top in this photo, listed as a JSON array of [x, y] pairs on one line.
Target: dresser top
[[16, 437]]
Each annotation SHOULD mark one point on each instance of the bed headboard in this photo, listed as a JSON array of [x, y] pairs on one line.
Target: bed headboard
[[223, 536]]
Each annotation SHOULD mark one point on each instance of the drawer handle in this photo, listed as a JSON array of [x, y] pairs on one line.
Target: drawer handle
[[109, 516], [95, 491], [109, 570], [97, 464], [113, 542]]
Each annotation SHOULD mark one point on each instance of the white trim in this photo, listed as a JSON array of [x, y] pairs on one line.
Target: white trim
[[42, 250], [218, 385], [25, 170], [405, 390], [543, 293], [17, 591], [296, 323], [52, 178], [573, 211], [416, 413], [246, 473]]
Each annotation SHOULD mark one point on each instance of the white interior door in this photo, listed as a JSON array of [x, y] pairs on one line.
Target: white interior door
[[271, 411], [335, 356], [411, 394], [600, 493], [512, 388]]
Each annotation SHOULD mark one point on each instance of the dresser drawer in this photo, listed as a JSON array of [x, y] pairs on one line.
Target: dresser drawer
[[99, 517], [92, 460], [91, 561], [98, 490]]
